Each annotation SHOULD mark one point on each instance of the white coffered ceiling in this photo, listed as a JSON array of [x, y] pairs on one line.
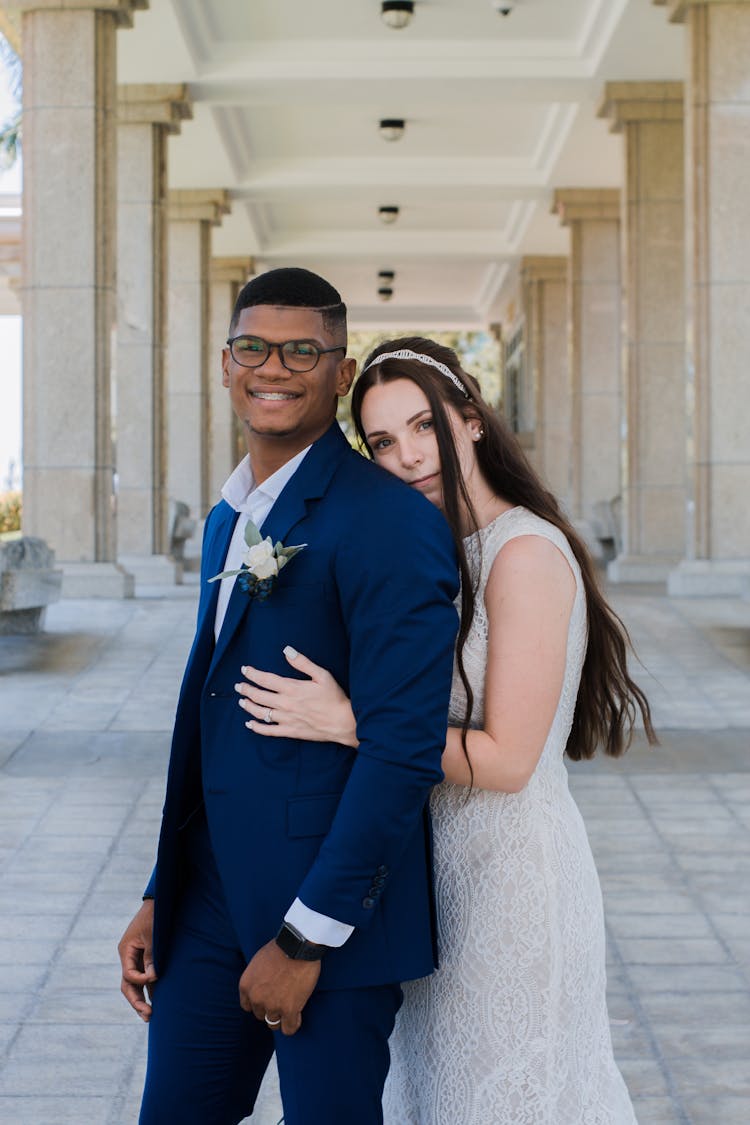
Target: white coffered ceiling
[[499, 112]]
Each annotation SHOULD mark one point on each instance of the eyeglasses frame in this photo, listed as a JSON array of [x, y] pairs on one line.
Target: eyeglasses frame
[[279, 348]]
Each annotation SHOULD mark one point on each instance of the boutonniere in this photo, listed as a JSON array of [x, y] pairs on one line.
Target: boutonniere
[[261, 564]]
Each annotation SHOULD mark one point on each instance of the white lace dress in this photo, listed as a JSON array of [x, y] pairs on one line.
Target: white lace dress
[[512, 1029]]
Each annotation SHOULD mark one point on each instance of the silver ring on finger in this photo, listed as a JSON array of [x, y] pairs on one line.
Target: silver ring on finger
[[271, 1023], [269, 716]]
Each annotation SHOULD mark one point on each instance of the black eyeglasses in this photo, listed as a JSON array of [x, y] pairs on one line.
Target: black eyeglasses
[[296, 355]]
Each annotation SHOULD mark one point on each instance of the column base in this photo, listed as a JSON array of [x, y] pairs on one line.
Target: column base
[[96, 580], [153, 570], [710, 578], [640, 568]]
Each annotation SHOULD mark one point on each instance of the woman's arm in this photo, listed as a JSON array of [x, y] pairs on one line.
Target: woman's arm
[[529, 599]]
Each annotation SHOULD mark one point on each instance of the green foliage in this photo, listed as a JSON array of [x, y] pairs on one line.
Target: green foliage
[[10, 130], [10, 512], [479, 353]]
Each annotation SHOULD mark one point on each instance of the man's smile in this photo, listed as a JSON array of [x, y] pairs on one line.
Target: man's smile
[[274, 396]]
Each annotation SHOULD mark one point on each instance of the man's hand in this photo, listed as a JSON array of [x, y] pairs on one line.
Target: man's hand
[[136, 958], [274, 985]]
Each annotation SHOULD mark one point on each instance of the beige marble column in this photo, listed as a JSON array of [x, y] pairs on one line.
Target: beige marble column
[[227, 277], [717, 224], [594, 287], [650, 117], [68, 269], [191, 216], [147, 115], [544, 298]]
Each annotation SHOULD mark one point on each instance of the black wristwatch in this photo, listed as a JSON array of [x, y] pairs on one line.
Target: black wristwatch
[[291, 942]]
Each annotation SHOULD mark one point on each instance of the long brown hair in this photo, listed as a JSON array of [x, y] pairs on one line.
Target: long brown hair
[[608, 699]]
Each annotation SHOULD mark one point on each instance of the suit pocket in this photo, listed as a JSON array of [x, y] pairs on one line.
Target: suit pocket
[[311, 816]]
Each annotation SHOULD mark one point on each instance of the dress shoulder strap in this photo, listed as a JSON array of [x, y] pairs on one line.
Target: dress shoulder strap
[[520, 521]]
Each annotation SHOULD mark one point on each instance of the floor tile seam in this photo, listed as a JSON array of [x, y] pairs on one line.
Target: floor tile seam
[[55, 958], [134, 688], [122, 1095], [721, 797], [706, 639], [103, 642], [52, 796], [644, 1025], [693, 893]]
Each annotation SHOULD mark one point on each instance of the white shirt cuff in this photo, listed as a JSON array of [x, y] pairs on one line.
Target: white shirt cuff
[[317, 927]]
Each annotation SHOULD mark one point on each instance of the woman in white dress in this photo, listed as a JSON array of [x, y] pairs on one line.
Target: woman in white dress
[[512, 1029]]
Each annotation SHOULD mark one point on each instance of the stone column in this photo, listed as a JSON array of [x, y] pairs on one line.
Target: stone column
[[68, 270], [191, 216], [594, 353], [650, 116], [544, 297], [147, 115], [227, 277], [717, 158]]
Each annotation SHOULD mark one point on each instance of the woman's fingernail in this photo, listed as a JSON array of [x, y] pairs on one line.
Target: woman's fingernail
[[238, 687], [246, 669], [250, 725], [290, 653]]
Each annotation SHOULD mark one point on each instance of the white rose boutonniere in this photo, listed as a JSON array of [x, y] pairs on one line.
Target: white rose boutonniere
[[261, 563]]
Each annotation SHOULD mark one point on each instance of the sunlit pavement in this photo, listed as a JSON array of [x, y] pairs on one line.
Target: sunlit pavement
[[85, 715]]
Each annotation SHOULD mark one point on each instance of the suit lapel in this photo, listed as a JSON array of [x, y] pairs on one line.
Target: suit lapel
[[215, 551], [308, 483]]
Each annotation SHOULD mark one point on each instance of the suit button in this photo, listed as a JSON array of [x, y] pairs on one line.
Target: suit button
[[368, 903], [382, 870]]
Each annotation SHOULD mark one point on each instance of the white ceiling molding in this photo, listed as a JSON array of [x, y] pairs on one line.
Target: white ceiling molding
[[287, 97]]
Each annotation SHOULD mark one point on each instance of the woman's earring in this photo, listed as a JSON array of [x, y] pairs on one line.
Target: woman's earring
[[477, 434]]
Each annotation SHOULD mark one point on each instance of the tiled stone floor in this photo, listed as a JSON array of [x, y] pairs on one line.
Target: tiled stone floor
[[85, 715]]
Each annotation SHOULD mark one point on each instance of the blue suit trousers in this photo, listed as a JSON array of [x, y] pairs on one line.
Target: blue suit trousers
[[207, 1057]]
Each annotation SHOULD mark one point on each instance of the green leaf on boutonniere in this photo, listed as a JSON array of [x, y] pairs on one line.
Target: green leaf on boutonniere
[[252, 535]]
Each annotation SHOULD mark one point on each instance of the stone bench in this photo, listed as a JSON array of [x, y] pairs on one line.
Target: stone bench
[[28, 583]]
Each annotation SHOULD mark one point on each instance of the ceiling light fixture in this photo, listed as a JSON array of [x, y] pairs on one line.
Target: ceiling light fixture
[[391, 128], [385, 292], [388, 214], [386, 275], [397, 13]]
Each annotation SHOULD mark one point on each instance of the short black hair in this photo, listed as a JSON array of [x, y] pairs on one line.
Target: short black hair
[[292, 287]]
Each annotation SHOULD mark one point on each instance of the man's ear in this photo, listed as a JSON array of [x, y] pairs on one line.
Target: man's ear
[[225, 360], [347, 369]]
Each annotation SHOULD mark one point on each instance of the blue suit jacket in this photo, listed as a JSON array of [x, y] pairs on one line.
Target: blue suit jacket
[[371, 599]]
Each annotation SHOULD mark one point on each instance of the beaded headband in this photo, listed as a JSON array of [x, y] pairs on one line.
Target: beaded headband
[[407, 353]]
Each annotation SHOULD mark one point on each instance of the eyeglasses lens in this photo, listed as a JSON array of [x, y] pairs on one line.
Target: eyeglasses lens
[[296, 355]]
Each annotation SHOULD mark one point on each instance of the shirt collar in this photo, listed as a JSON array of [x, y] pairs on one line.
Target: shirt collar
[[241, 484]]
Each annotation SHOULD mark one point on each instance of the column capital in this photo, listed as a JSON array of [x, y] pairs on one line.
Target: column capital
[[581, 204], [544, 267], [122, 10], [157, 103], [231, 270], [199, 205], [628, 102], [677, 10]]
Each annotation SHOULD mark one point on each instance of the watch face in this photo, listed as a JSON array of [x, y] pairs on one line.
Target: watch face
[[295, 946]]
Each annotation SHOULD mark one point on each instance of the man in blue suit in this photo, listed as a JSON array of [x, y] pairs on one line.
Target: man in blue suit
[[292, 888]]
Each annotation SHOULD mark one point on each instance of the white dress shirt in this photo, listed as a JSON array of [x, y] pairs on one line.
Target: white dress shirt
[[254, 503]]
